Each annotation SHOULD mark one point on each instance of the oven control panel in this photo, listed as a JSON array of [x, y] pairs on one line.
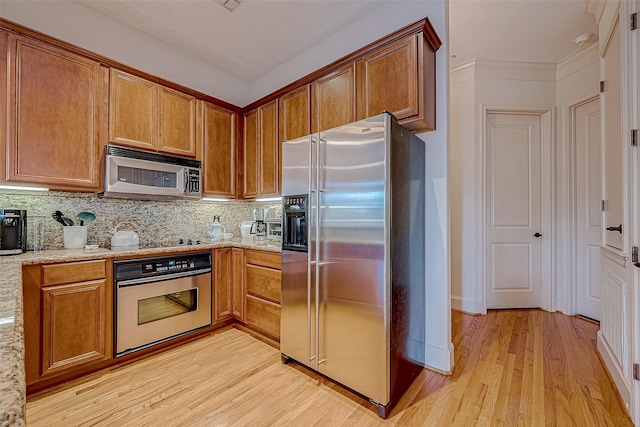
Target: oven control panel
[[169, 265], [155, 266]]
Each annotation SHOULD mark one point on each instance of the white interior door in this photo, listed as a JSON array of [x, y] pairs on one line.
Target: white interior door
[[588, 149], [514, 253], [612, 142]]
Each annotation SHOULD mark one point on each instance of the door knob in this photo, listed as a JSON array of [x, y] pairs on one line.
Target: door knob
[[618, 229], [537, 235]]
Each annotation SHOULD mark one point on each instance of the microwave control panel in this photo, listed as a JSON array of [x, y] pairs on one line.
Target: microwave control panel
[[193, 181]]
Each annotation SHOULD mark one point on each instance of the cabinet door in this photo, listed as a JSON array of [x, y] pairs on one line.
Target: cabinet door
[[3, 103], [55, 108], [269, 149], [388, 80], [334, 99], [132, 117], [219, 130], [295, 114], [177, 122], [222, 285], [251, 153], [74, 325], [237, 267]]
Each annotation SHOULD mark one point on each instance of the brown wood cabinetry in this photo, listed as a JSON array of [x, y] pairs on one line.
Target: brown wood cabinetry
[[56, 115], [334, 99], [399, 78], [261, 151], [262, 298], [223, 282], [177, 128], [218, 131], [69, 326], [237, 285], [295, 113], [149, 116], [3, 104], [228, 284]]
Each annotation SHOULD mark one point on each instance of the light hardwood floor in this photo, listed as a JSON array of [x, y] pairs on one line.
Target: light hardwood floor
[[512, 368]]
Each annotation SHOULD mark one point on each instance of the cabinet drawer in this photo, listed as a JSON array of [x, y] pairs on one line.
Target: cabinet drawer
[[263, 282], [265, 259], [263, 314], [58, 274]]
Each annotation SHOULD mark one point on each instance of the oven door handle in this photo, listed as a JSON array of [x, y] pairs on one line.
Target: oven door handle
[[162, 278]]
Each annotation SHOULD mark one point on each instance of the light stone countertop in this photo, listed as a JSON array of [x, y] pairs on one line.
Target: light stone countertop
[[12, 376]]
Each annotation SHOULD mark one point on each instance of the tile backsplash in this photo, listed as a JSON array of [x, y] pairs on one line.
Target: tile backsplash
[[153, 221]]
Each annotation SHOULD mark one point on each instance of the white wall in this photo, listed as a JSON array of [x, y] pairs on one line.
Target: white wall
[[465, 282], [476, 86], [577, 80]]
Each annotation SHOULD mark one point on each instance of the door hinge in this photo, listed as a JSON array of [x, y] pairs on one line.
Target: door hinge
[[603, 205], [602, 86], [634, 137], [636, 371], [634, 254], [634, 21]]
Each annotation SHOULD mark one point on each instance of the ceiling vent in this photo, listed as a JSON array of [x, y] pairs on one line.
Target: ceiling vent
[[230, 5]]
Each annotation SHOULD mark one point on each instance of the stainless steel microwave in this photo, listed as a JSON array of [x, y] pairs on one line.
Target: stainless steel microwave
[[136, 174]]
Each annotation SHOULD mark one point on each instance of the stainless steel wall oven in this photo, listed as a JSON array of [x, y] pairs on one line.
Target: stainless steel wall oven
[[160, 298]]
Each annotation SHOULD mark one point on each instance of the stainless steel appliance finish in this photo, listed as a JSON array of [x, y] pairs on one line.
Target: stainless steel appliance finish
[[13, 231], [353, 288], [136, 174], [160, 298]]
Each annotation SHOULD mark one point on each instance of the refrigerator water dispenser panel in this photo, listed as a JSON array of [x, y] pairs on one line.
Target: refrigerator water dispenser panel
[[294, 221]]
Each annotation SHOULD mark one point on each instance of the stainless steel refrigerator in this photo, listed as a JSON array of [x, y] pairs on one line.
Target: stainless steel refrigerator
[[353, 255]]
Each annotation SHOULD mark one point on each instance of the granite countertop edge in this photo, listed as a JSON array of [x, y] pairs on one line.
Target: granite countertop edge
[[12, 375]]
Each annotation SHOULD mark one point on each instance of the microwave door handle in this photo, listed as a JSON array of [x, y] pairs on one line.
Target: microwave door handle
[[186, 180]]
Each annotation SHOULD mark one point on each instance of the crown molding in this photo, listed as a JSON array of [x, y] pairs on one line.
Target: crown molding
[[515, 70], [577, 61], [595, 8], [462, 72]]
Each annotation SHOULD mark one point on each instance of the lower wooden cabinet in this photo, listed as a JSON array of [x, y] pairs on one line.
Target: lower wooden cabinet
[[228, 300], [68, 321], [73, 325], [262, 284], [237, 265]]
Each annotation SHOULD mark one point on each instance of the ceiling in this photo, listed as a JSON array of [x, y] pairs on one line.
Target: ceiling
[[516, 30], [248, 42], [259, 35]]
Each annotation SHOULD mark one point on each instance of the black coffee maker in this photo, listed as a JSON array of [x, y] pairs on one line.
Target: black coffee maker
[[13, 231]]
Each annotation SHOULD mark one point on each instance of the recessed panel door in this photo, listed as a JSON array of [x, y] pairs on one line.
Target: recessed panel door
[[588, 215], [514, 234], [612, 143]]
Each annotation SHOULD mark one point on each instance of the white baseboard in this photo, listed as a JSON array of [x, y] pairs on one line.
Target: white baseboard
[[615, 370], [467, 305], [440, 359]]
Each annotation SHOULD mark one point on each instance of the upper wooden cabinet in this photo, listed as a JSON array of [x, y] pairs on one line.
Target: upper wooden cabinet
[[295, 114], [56, 116], [177, 129], [4, 98], [388, 80], [334, 99], [218, 128], [396, 74], [149, 116], [261, 151]]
